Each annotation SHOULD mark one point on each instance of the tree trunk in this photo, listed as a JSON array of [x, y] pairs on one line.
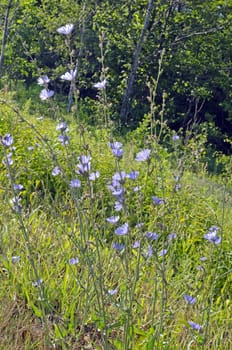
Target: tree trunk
[[126, 99], [5, 33]]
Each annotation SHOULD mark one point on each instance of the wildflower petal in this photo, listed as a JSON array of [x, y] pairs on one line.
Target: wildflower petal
[[7, 140], [195, 326], [163, 252], [67, 29], [118, 206], [211, 236], [171, 236], [101, 85], [56, 171], [136, 245], [133, 175], [46, 94], [143, 155], [113, 219], [69, 76], [37, 283], [175, 137], [74, 261], [18, 187], [152, 236], [112, 291], [157, 200], [94, 176], [75, 183], [118, 246], [122, 230], [189, 299], [43, 80]]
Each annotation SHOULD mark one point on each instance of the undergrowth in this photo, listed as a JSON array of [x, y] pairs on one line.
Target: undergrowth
[[110, 243]]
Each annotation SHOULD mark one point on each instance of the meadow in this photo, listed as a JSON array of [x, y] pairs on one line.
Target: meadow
[[110, 240]]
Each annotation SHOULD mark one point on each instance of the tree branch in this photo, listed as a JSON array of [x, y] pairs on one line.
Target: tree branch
[[187, 36]]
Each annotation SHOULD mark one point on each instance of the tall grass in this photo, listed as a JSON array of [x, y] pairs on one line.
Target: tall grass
[[110, 243]]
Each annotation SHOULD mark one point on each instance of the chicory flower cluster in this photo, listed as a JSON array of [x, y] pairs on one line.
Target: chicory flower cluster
[[212, 235], [63, 137], [118, 191], [70, 76]]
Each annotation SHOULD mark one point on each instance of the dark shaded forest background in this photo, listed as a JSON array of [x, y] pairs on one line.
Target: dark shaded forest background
[[180, 47]]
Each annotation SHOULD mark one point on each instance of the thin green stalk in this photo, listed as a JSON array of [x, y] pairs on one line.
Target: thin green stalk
[[219, 252], [26, 238]]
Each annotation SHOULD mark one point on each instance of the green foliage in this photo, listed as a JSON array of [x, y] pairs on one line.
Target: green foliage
[[70, 277], [56, 224], [196, 37]]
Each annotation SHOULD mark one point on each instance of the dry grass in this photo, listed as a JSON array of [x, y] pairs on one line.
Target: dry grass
[[19, 329]]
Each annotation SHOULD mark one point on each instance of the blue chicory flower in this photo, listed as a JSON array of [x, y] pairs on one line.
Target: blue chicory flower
[[171, 236], [203, 258], [56, 171], [157, 200], [118, 246], [136, 245], [69, 76], [62, 126], [189, 299], [64, 139], [122, 230], [116, 148], [66, 30], [163, 252], [118, 153], [113, 219], [149, 253], [94, 176], [7, 140], [37, 283], [137, 188], [118, 193], [133, 175], [143, 155], [115, 145], [112, 291], [152, 236], [175, 137], [211, 236], [43, 80], [84, 159], [118, 206], [18, 187], [83, 169], [177, 187], [46, 94], [75, 183], [8, 160], [74, 261], [139, 225], [119, 177], [100, 85], [16, 204], [195, 326], [84, 166]]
